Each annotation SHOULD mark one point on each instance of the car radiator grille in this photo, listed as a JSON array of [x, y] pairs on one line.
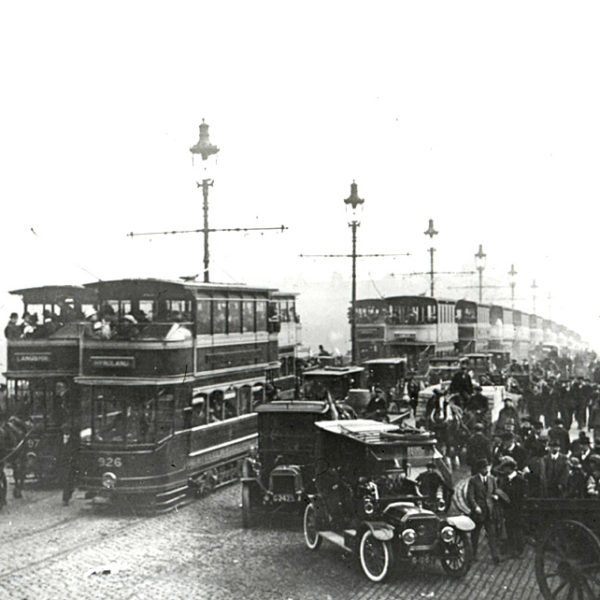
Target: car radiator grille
[[282, 484], [426, 529]]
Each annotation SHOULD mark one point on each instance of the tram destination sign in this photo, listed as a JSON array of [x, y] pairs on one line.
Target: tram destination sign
[[112, 362], [33, 358]]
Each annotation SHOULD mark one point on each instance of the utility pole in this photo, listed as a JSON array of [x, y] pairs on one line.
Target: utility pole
[[534, 287], [512, 273], [205, 150], [431, 232], [353, 207], [480, 264]]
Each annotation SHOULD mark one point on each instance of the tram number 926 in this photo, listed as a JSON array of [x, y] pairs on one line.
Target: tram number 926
[[110, 461]]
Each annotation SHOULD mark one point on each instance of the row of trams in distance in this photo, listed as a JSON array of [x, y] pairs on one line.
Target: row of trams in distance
[[166, 406]]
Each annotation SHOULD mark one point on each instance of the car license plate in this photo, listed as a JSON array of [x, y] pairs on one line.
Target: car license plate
[[284, 498]]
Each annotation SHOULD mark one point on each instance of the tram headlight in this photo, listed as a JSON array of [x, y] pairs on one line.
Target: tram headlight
[[448, 534], [409, 536], [109, 480]]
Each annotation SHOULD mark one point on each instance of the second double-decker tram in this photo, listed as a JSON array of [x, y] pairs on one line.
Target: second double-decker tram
[[171, 380], [42, 362]]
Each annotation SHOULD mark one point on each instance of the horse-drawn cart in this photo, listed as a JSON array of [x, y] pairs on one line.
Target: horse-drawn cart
[[567, 558]]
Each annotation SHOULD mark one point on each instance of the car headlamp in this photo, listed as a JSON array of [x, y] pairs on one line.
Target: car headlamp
[[109, 480], [368, 505], [448, 534], [409, 536]]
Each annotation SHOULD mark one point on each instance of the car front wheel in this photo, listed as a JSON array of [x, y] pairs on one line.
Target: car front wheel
[[311, 530], [457, 555], [375, 557]]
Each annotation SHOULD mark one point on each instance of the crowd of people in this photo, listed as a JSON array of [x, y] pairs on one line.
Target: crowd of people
[[529, 452]]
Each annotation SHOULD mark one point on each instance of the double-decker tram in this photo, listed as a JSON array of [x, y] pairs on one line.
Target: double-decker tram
[[42, 363], [411, 326], [170, 381], [473, 322], [287, 324]]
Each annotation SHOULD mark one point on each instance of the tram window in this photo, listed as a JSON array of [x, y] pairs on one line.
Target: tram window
[[219, 316], [215, 407], [245, 397], [164, 413], [283, 312], [283, 367], [292, 311], [199, 405], [291, 365], [142, 420], [146, 311], [234, 317], [248, 315], [261, 315], [179, 310], [258, 395], [204, 316], [230, 404]]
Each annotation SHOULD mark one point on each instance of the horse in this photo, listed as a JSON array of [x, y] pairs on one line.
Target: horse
[[445, 419], [13, 433]]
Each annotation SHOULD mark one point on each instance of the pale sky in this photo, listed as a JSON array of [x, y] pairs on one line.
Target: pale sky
[[483, 116]]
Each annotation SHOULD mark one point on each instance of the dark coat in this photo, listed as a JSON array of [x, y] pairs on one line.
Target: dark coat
[[480, 495], [517, 490], [478, 446], [517, 452], [554, 475], [461, 383]]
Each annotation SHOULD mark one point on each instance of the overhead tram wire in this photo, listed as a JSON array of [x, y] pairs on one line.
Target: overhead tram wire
[[73, 264]]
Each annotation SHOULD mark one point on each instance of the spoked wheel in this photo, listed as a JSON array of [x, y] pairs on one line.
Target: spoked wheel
[[246, 506], [375, 557], [457, 555], [567, 563], [311, 530]]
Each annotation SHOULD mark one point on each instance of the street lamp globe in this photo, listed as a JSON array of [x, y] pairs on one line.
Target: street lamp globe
[[480, 259], [354, 205]]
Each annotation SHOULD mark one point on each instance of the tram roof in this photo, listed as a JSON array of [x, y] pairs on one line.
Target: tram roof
[[385, 361], [424, 299], [298, 406], [154, 284], [54, 293], [333, 371]]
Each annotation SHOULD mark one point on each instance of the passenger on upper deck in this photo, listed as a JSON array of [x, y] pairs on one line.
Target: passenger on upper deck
[[30, 323], [13, 330]]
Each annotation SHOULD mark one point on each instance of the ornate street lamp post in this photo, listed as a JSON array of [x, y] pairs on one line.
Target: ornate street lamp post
[[480, 265], [512, 275], [431, 232], [205, 150], [353, 210]]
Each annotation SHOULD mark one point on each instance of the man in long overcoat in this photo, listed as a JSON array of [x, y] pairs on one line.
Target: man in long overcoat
[[481, 496]]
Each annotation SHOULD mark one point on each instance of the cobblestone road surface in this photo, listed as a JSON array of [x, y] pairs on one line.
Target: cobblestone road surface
[[48, 551]]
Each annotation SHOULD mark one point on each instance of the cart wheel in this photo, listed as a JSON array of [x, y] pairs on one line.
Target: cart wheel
[[311, 531], [375, 557], [246, 506], [457, 555], [567, 562]]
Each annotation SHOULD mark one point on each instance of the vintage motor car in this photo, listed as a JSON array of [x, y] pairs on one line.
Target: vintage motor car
[[389, 374], [365, 503], [278, 472]]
